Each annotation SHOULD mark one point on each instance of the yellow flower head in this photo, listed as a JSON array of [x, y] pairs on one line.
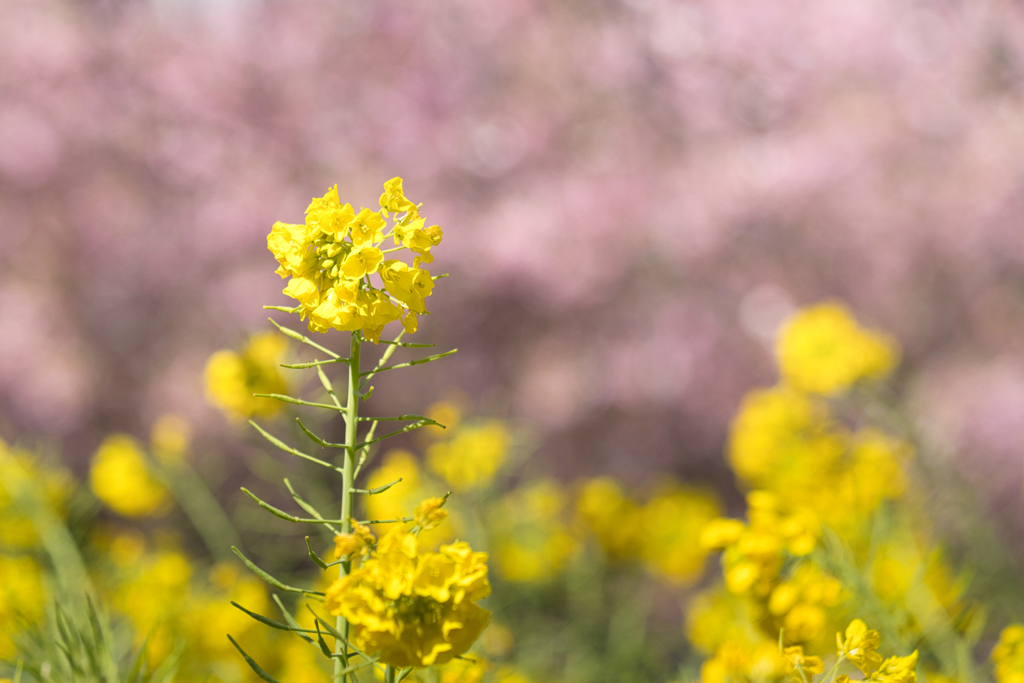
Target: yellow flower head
[[822, 350], [860, 646], [429, 514], [415, 609], [393, 198], [232, 378], [120, 477], [331, 258]]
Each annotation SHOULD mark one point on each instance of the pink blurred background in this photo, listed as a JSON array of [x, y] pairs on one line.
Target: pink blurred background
[[633, 195]]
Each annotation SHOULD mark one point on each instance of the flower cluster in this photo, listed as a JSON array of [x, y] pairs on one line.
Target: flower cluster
[[415, 608], [814, 468], [331, 257]]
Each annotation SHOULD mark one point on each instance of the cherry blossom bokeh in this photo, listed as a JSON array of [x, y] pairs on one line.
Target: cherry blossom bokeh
[[634, 194]]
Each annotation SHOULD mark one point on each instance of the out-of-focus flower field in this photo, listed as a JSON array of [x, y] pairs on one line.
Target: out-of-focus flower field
[[738, 293]]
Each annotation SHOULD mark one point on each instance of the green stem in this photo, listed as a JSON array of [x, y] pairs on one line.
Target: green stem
[[389, 674], [348, 472]]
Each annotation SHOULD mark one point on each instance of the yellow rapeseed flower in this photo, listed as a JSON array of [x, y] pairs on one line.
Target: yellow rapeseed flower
[[783, 440], [121, 478], [358, 542], [232, 378], [1008, 655], [331, 257], [860, 646], [429, 514], [822, 350], [415, 609]]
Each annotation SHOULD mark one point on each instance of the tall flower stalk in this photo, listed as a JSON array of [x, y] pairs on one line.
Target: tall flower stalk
[[393, 605]]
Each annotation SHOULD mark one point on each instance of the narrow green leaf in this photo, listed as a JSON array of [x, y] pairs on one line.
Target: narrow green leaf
[[288, 449], [299, 402], [252, 663], [379, 489], [305, 340], [401, 418], [403, 430], [418, 361], [296, 627], [285, 516], [268, 578], [320, 640], [262, 619], [309, 508], [385, 521], [138, 664], [316, 439], [294, 309], [326, 382], [313, 364], [313, 556]]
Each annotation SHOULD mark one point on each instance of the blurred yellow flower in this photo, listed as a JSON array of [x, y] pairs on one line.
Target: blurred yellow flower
[[671, 526], [170, 437], [1008, 655], [121, 478], [20, 471], [800, 665], [447, 413], [415, 609], [232, 378], [603, 509], [531, 540], [472, 456], [744, 663], [716, 617], [22, 598], [465, 670], [783, 440], [822, 350]]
